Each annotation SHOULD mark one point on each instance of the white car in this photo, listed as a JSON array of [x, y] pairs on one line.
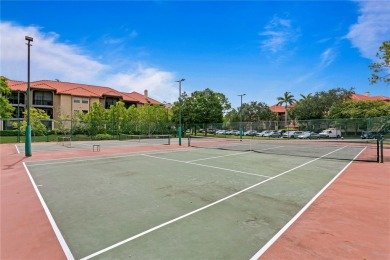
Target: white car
[[292, 134], [262, 133], [251, 132], [309, 135]]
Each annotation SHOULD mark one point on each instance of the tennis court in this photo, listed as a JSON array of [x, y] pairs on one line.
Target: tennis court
[[192, 203]]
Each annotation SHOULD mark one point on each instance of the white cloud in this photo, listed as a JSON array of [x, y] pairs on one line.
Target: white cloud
[[160, 84], [51, 60], [278, 32], [372, 27], [327, 57]]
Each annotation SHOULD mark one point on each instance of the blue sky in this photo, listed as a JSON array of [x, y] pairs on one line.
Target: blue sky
[[260, 48]]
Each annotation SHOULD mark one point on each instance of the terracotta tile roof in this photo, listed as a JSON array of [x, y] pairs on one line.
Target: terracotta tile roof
[[279, 109], [41, 85], [142, 99], [368, 98], [76, 89], [17, 85], [82, 90], [127, 97]]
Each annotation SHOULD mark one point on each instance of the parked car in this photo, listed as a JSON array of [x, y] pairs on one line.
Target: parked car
[[236, 132], [371, 135], [288, 134], [262, 133], [250, 132], [272, 134], [292, 134], [221, 132], [308, 135]]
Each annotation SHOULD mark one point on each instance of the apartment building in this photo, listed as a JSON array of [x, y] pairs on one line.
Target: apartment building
[[58, 98]]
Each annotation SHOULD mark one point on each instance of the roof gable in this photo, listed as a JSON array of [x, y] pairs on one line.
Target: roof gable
[[142, 99], [79, 91]]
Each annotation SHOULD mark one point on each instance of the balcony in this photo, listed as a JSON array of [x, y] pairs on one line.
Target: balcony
[[42, 102]]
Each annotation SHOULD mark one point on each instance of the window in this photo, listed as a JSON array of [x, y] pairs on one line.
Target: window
[[15, 113], [76, 111], [110, 101], [76, 100], [13, 98], [85, 100], [48, 111], [43, 98], [85, 111]]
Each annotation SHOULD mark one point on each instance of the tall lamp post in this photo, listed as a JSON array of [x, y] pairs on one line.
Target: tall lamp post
[[28, 128], [18, 116], [241, 116], [180, 131]]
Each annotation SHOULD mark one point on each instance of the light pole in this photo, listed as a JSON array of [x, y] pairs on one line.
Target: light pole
[[241, 116], [180, 131], [18, 116], [28, 128]]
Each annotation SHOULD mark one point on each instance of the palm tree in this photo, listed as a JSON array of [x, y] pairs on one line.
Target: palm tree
[[307, 97], [287, 99]]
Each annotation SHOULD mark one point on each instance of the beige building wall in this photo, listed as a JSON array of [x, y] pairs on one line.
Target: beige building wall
[[96, 100], [65, 106], [80, 104]]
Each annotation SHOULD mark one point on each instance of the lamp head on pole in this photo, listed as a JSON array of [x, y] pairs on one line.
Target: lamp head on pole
[[180, 80], [29, 38]]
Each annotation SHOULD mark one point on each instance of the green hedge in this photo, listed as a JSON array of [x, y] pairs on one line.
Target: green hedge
[[9, 133]]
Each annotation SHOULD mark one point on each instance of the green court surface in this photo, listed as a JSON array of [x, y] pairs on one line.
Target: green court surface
[[88, 145], [179, 204]]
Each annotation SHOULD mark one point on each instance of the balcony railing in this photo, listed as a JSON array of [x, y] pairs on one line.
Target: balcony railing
[[43, 102]]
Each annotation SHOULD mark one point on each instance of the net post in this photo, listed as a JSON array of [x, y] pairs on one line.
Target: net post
[[189, 141], [169, 140], [381, 150], [377, 151]]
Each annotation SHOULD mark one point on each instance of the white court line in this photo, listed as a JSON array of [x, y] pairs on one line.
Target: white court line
[[208, 166], [57, 231], [221, 156], [17, 148], [276, 237], [200, 209]]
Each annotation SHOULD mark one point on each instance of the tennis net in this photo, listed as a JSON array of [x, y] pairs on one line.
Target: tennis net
[[325, 149], [148, 139]]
